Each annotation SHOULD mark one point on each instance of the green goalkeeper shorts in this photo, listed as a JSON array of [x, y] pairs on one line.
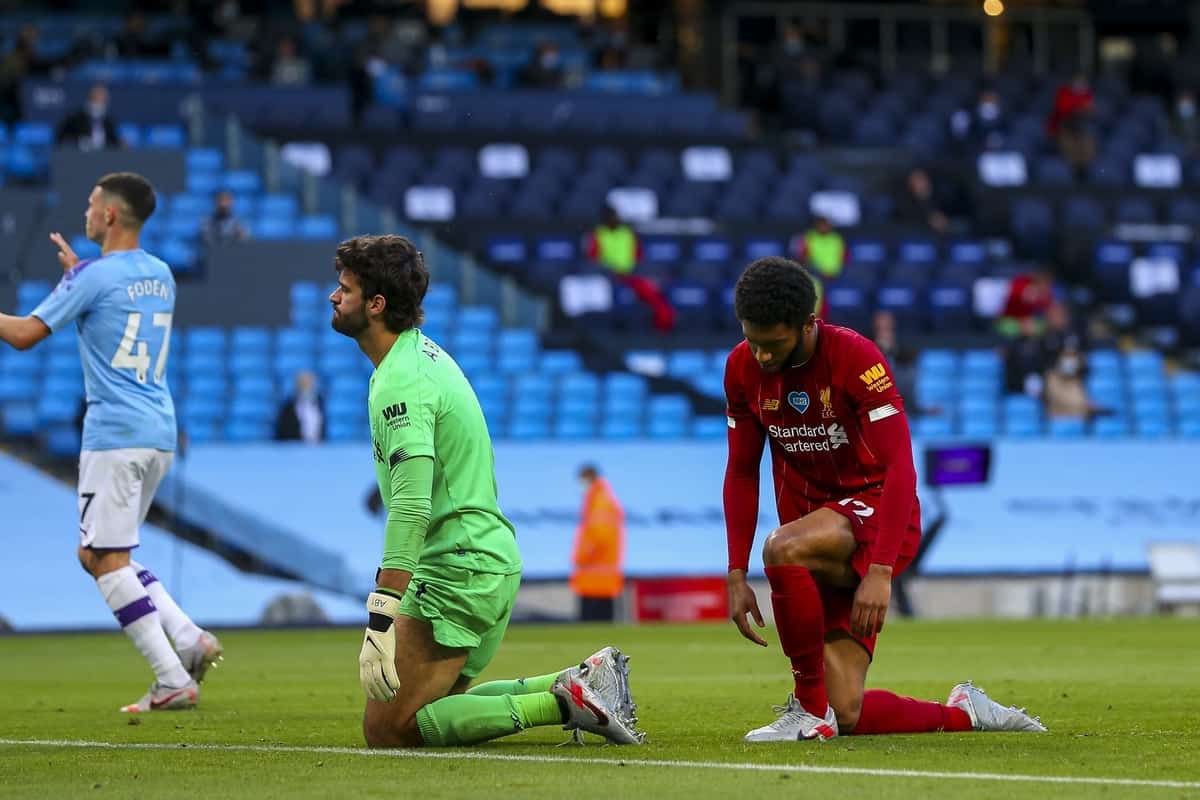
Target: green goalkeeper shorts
[[466, 609]]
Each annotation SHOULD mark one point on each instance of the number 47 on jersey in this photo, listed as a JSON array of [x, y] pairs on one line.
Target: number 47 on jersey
[[134, 353]]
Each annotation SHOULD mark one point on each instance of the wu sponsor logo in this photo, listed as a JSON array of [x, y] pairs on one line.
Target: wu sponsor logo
[[873, 374], [394, 411], [876, 378]]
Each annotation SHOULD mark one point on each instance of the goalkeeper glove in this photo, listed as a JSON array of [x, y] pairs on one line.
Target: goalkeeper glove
[[377, 661]]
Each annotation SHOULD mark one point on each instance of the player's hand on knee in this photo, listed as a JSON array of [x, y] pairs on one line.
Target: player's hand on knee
[[743, 602], [377, 660], [66, 256], [871, 601]]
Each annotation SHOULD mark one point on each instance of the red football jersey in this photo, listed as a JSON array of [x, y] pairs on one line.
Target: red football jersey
[[814, 415]]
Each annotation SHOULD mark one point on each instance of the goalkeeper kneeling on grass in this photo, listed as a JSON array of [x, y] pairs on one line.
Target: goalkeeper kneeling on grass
[[450, 568]]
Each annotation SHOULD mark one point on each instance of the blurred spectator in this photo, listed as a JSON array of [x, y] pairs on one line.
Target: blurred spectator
[[596, 576], [902, 360], [222, 226], [302, 416], [983, 127], [1066, 394], [1028, 356], [1070, 123], [21, 62], [545, 71], [1030, 296], [288, 68], [919, 206], [615, 246], [1185, 123], [823, 251], [91, 127]]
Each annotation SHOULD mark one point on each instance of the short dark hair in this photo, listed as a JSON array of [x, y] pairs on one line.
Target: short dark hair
[[135, 192], [774, 290], [589, 471], [391, 266]]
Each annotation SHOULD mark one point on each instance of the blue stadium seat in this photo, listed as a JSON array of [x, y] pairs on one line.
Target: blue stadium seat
[[559, 362], [241, 181], [19, 418], [526, 428], [1066, 428], [1110, 427], [164, 137], [709, 427], [478, 318], [687, 363], [273, 228], [620, 428], [317, 226], [574, 429], [204, 159]]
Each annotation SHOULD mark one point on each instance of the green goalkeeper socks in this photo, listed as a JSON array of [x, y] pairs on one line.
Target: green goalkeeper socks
[[464, 719], [541, 683]]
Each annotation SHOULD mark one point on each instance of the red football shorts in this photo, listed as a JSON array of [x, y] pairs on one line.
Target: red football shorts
[[861, 510]]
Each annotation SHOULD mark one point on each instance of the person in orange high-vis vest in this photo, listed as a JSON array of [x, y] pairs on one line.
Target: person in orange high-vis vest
[[596, 576]]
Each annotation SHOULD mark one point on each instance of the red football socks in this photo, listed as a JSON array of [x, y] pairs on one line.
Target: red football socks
[[800, 620], [884, 712]]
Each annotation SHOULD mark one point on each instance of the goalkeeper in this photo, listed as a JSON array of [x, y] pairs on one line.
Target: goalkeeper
[[450, 568]]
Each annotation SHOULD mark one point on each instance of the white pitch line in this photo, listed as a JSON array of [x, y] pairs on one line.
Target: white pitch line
[[477, 755]]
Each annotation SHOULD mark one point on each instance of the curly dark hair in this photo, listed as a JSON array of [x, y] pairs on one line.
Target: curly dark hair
[[775, 290], [391, 266]]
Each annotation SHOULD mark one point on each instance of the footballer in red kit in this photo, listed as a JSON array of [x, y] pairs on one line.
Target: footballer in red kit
[[824, 398]]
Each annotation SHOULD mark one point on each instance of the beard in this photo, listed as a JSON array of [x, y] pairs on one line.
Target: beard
[[351, 325]]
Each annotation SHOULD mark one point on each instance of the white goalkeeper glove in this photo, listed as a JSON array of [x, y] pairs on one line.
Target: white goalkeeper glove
[[377, 661]]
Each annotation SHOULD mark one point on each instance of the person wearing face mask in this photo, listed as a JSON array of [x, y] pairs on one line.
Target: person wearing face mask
[[302, 416], [1065, 392], [596, 577], [222, 225], [982, 127], [90, 128]]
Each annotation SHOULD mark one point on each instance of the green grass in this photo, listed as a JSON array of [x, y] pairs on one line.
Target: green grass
[[1120, 698]]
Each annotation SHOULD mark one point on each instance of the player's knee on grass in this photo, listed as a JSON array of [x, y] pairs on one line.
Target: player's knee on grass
[[383, 728], [847, 709]]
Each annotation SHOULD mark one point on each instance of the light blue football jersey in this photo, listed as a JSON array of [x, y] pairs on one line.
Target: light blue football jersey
[[122, 304]]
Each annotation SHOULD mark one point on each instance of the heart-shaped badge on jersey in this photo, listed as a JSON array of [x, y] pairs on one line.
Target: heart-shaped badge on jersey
[[798, 401]]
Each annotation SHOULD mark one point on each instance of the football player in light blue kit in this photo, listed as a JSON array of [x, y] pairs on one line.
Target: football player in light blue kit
[[122, 304]]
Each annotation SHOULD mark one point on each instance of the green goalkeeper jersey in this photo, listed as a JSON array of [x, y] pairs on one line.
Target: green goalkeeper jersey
[[422, 405]]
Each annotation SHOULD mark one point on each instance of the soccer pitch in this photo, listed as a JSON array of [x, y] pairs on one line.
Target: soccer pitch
[[281, 717]]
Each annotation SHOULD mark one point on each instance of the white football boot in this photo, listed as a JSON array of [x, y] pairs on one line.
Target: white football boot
[[988, 715], [166, 698], [796, 725], [596, 695], [204, 654]]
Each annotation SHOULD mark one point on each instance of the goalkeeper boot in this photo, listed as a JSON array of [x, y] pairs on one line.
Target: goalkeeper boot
[[796, 725], [166, 698], [206, 653], [607, 672], [988, 715], [590, 710]]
